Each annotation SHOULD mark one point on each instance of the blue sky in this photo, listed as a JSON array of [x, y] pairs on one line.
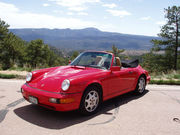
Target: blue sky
[[141, 17]]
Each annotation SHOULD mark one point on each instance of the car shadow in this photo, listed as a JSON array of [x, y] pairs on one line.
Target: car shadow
[[58, 120]]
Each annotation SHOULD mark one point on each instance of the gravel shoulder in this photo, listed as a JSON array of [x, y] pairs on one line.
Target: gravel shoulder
[[21, 73]]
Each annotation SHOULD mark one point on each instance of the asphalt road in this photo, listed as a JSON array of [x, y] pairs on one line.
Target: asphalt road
[[157, 112]]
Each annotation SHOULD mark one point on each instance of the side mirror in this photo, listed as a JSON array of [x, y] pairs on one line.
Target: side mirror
[[115, 68]]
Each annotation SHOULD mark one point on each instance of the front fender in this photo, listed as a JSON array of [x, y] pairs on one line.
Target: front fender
[[40, 72], [80, 83], [93, 82]]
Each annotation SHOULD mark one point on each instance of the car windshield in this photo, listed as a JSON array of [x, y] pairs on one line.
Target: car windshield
[[93, 59]]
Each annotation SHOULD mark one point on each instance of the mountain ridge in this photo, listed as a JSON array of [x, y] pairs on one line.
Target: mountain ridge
[[85, 39]]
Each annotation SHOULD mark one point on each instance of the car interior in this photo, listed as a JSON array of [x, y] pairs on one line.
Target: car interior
[[126, 63]]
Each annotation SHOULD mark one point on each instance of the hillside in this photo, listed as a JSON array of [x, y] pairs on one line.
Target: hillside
[[88, 38]]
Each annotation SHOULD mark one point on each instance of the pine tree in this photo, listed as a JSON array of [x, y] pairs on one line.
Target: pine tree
[[169, 35]]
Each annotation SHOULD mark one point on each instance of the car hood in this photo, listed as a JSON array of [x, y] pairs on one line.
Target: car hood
[[52, 80]]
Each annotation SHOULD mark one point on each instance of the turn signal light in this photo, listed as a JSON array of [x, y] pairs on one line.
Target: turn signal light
[[66, 100], [61, 101]]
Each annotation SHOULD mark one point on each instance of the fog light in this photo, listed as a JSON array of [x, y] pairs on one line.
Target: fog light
[[54, 100], [66, 100], [22, 90]]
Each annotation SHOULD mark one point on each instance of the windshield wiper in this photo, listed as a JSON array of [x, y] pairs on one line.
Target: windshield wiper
[[78, 66]]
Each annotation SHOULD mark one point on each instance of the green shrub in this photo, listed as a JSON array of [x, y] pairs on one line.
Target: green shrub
[[21, 69], [8, 76], [168, 82], [177, 76]]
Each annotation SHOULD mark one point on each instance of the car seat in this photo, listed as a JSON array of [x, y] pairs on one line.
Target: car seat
[[118, 62]]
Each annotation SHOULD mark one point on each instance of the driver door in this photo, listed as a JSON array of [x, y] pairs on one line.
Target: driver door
[[121, 80]]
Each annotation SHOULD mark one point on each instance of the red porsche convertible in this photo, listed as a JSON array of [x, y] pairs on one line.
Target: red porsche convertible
[[90, 79]]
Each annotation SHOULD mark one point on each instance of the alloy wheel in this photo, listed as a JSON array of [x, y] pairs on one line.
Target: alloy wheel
[[91, 101]]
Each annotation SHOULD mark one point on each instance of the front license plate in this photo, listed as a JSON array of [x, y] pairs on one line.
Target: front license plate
[[33, 100]]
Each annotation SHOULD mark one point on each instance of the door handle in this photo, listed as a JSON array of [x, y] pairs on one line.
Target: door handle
[[130, 72]]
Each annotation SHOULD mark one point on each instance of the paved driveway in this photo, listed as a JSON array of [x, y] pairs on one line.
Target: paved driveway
[[157, 112]]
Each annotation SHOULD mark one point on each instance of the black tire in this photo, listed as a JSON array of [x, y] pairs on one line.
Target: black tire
[[141, 85], [90, 101]]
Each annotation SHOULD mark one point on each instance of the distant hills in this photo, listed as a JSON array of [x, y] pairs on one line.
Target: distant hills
[[85, 39]]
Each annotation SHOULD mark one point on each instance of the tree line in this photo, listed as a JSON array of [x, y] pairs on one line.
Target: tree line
[[34, 54], [164, 55]]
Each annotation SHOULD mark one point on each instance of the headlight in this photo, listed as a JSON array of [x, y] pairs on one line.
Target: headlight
[[65, 84], [29, 77]]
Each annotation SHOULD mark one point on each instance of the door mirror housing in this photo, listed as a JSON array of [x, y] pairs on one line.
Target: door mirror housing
[[115, 68]]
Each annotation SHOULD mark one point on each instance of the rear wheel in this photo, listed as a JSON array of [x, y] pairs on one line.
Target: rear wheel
[[90, 101], [141, 85]]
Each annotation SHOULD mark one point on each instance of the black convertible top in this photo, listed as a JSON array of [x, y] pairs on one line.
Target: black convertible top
[[130, 63]]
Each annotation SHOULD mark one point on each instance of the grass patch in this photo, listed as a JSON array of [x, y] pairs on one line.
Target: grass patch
[[177, 76], [21, 69], [170, 75], [167, 82], [8, 76]]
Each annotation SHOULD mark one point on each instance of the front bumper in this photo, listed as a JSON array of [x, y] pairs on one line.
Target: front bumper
[[43, 98]]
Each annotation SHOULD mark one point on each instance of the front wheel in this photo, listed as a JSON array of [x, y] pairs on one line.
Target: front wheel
[[141, 85], [90, 101]]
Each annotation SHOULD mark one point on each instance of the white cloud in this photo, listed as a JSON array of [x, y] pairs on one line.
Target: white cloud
[[82, 13], [78, 13], [73, 3], [70, 13], [160, 22], [112, 5], [17, 19], [78, 9], [145, 18], [120, 13], [7, 8], [58, 11], [46, 5]]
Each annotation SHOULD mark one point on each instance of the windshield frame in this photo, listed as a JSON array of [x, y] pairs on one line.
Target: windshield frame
[[102, 52]]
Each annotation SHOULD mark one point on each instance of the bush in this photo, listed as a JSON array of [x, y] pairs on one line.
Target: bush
[[21, 69], [168, 82], [8, 76], [177, 76]]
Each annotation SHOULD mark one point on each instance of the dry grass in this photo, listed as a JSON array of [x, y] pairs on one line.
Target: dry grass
[[8, 74], [170, 78]]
